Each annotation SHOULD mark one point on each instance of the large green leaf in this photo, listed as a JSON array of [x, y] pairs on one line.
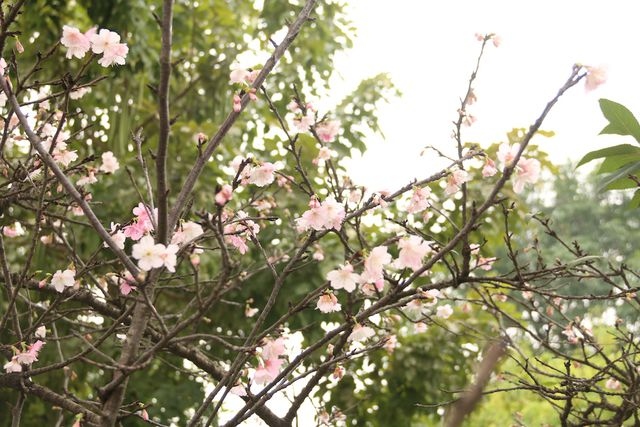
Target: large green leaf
[[621, 120], [619, 180], [616, 150]]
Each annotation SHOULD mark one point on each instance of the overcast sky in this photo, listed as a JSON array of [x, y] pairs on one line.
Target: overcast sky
[[429, 49]]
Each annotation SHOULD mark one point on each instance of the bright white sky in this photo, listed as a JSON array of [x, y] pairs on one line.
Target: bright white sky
[[429, 49]]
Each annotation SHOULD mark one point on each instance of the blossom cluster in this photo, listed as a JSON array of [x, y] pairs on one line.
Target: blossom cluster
[[270, 361], [27, 356], [103, 42]]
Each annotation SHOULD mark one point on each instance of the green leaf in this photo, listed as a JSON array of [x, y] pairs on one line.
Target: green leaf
[[634, 203], [619, 180], [614, 163], [621, 120], [616, 150]]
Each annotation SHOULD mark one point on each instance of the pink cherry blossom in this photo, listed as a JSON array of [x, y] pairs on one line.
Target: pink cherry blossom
[[302, 123], [14, 230], [41, 332], [79, 92], [63, 279], [596, 76], [489, 168], [149, 254], [12, 366], [507, 152], [108, 43], [3, 66], [267, 371], [187, 232], [273, 348], [412, 250], [238, 390], [169, 257], [328, 303], [109, 162], [224, 195], [239, 75], [323, 216], [237, 103], [527, 172], [485, 263], [455, 180], [612, 384], [90, 178], [327, 130], [115, 55], [263, 175], [444, 311], [135, 230], [324, 154], [391, 343], [126, 283], [31, 355], [117, 235], [77, 43], [344, 278], [374, 266], [419, 200], [360, 333]]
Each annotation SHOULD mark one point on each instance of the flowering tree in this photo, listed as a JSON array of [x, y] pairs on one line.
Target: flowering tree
[[235, 262]]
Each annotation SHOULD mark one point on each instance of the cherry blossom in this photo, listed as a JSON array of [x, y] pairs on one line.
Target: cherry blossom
[[79, 92], [327, 130], [360, 333], [419, 200], [455, 180], [224, 195], [237, 103], [303, 123], [169, 257], [322, 216], [391, 343], [90, 178], [444, 311], [238, 75], [41, 332], [12, 366], [485, 263], [612, 384], [489, 168], [267, 371], [149, 254], [527, 172], [77, 43], [328, 303], [3, 66], [374, 265], [263, 175], [31, 355], [412, 250], [596, 76], [63, 279], [188, 231], [108, 43], [273, 348], [344, 278], [109, 162], [126, 283], [507, 153], [14, 230]]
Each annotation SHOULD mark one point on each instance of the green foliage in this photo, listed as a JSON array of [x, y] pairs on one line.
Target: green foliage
[[621, 162]]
